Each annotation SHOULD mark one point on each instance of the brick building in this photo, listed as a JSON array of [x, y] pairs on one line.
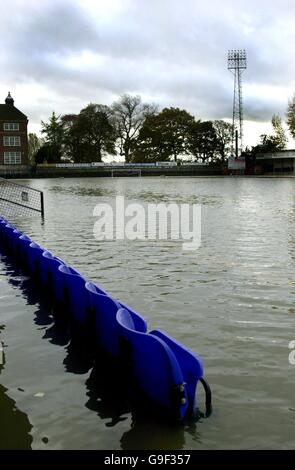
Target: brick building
[[13, 135]]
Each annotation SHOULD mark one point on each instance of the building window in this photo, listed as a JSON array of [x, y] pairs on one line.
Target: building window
[[12, 158], [11, 126], [11, 141]]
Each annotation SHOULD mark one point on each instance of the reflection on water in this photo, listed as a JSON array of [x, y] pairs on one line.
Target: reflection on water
[[82, 191], [14, 426], [232, 302], [144, 435], [175, 197], [106, 393], [112, 398], [139, 195]]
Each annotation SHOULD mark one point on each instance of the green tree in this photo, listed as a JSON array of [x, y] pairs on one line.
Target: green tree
[[34, 143], [54, 138], [71, 138], [266, 144], [53, 130], [224, 132], [151, 144], [291, 116], [165, 135], [128, 115], [89, 135], [48, 153], [274, 142], [96, 132], [203, 141], [279, 135]]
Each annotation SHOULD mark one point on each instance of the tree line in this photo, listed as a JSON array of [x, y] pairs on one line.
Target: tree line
[[135, 130], [139, 132]]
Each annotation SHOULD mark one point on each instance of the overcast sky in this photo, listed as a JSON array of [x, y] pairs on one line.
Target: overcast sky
[[62, 54]]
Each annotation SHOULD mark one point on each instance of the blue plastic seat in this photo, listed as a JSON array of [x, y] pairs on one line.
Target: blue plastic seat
[[7, 235], [190, 363], [49, 273], [24, 242], [35, 259], [140, 323], [3, 223], [72, 284], [95, 289], [155, 367], [105, 309], [9, 226], [14, 241]]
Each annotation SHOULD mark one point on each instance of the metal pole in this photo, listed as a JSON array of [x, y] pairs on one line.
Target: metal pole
[[42, 203], [237, 143], [240, 108]]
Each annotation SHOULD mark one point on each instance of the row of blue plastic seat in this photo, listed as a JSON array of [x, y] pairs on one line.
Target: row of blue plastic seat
[[165, 371]]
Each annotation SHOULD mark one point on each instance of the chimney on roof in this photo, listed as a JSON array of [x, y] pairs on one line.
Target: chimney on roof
[[9, 100]]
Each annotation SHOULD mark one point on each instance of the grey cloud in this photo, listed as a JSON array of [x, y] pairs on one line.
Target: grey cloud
[[57, 26], [173, 51]]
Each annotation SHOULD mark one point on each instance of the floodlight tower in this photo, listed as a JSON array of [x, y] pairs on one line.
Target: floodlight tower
[[237, 63]]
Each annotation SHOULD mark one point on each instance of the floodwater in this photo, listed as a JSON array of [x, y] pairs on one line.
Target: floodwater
[[232, 301]]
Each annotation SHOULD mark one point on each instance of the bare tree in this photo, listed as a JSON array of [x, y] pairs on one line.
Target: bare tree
[[34, 143], [128, 115]]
